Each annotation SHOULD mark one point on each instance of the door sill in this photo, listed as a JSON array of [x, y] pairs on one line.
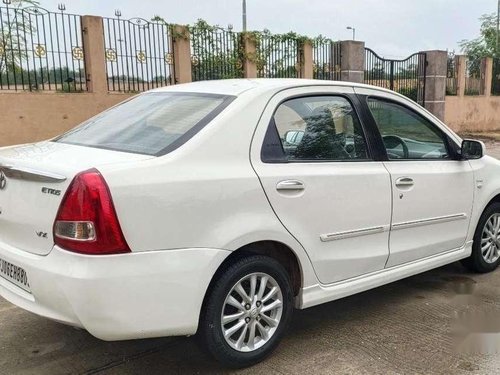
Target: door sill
[[321, 293]]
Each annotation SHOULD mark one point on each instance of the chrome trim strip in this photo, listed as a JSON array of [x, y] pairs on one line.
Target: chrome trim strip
[[434, 220], [29, 174], [351, 233]]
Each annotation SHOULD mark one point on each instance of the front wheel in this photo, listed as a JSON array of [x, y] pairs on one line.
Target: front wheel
[[485, 255], [247, 311]]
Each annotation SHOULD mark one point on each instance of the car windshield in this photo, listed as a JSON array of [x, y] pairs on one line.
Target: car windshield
[[151, 124]]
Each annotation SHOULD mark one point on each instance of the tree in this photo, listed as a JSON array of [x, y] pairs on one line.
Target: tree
[[486, 44], [15, 26]]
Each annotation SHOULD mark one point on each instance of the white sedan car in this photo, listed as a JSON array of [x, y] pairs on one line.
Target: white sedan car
[[218, 207]]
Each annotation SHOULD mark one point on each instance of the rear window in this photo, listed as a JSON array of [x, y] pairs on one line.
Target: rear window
[[151, 124]]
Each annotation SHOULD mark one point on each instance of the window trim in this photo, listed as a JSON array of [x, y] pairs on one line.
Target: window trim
[[196, 128], [271, 136], [451, 146]]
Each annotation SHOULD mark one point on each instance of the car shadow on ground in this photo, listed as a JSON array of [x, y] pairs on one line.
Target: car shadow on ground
[[327, 336]]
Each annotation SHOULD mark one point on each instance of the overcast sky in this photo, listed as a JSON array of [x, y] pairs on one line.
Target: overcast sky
[[393, 28]]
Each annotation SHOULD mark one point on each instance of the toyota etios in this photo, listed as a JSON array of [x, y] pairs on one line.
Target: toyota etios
[[218, 207]]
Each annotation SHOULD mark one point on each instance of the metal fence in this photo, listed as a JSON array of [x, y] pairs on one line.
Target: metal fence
[[451, 75], [326, 57], [216, 53], [404, 76], [139, 54], [277, 56], [495, 79], [474, 76], [41, 50]]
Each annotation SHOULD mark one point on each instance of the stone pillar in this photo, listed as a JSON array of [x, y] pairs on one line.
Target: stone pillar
[[435, 82], [306, 60], [461, 67], [249, 65], [488, 76], [94, 55], [182, 54], [352, 65]]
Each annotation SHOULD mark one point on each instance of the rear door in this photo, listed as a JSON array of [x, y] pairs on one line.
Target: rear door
[[432, 189], [325, 187]]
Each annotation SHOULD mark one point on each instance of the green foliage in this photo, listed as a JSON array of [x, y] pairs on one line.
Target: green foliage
[[15, 26], [486, 44]]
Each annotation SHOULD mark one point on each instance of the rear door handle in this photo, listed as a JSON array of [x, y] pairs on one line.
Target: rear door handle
[[404, 182], [290, 185]]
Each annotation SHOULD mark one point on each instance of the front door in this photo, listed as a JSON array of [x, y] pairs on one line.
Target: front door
[[311, 155], [432, 191]]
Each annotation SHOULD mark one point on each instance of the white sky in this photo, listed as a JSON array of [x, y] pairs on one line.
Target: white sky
[[393, 28]]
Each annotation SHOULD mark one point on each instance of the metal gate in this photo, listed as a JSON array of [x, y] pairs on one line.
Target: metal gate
[[406, 77]]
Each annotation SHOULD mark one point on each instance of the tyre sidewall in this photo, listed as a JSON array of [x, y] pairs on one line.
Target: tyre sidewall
[[477, 258]]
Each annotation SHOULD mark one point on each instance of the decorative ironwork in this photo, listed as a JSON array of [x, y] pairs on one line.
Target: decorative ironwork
[[495, 84], [404, 76], [216, 53], [451, 75], [136, 54], [326, 56], [475, 77], [278, 56], [77, 53], [41, 50]]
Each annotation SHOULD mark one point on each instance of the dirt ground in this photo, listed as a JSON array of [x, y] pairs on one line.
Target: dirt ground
[[415, 326]]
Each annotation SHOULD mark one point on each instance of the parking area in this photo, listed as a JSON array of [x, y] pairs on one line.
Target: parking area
[[412, 326]]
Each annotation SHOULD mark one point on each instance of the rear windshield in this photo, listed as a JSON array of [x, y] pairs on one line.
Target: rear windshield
[[151, 124]]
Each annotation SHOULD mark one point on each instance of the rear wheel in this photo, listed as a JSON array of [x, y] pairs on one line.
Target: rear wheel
[[485, 255], [247, 311]]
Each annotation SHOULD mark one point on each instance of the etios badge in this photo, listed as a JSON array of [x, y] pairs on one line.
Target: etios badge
[[3, 180]]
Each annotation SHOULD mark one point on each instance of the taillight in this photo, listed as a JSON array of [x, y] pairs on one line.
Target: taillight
[[87, 222]]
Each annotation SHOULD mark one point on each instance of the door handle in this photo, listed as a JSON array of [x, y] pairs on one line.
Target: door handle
[[290, 185], [404, 182]]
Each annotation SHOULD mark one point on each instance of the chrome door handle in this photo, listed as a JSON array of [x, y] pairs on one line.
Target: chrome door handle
[[290, 185], [404, 182]]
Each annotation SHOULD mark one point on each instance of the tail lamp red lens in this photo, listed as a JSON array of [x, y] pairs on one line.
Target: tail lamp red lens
[[87, 222]]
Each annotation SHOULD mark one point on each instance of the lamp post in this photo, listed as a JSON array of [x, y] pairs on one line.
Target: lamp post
[[244, 14], [354, 31]]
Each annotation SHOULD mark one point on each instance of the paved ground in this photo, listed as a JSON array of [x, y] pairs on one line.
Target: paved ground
[[408, 327]]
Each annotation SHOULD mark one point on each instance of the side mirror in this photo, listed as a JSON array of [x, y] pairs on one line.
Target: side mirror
[[472, 149]]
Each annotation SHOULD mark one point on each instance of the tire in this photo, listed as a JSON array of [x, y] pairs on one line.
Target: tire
[[234, 351], [484, 260]]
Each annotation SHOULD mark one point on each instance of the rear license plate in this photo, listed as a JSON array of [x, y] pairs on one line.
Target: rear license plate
[[15, 274]]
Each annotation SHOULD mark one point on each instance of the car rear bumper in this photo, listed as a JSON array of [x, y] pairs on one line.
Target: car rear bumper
[[116, 297]]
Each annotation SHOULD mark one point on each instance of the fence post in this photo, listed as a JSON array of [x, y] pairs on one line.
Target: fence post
[[352, 63], [461, 67], [182, 54], [306, 60], [250, 56], [435, 82], [94, 55], [488, 76]]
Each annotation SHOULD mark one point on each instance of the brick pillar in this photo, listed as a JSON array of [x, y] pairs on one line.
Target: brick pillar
[[435, 82], [249, 65], [182, 54], [306, 60], [94, 55], [352, 65], [461, 67]]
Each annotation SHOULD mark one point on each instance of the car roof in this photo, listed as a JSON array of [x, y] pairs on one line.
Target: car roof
[[236, 87]]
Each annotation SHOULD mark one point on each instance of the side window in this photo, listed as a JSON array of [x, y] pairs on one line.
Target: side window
[[323, 128], [406, 134]]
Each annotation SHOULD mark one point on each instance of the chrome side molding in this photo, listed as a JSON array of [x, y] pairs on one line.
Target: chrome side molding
[[434, 220], [351, 233], [29, 174]]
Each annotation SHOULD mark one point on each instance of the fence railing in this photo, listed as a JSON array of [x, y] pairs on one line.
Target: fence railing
[[475, 77], [41, 50], [277, 56], [452, 75], [139, 54], [216, 53], [495, 77], [326, 59], [404, 76]]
